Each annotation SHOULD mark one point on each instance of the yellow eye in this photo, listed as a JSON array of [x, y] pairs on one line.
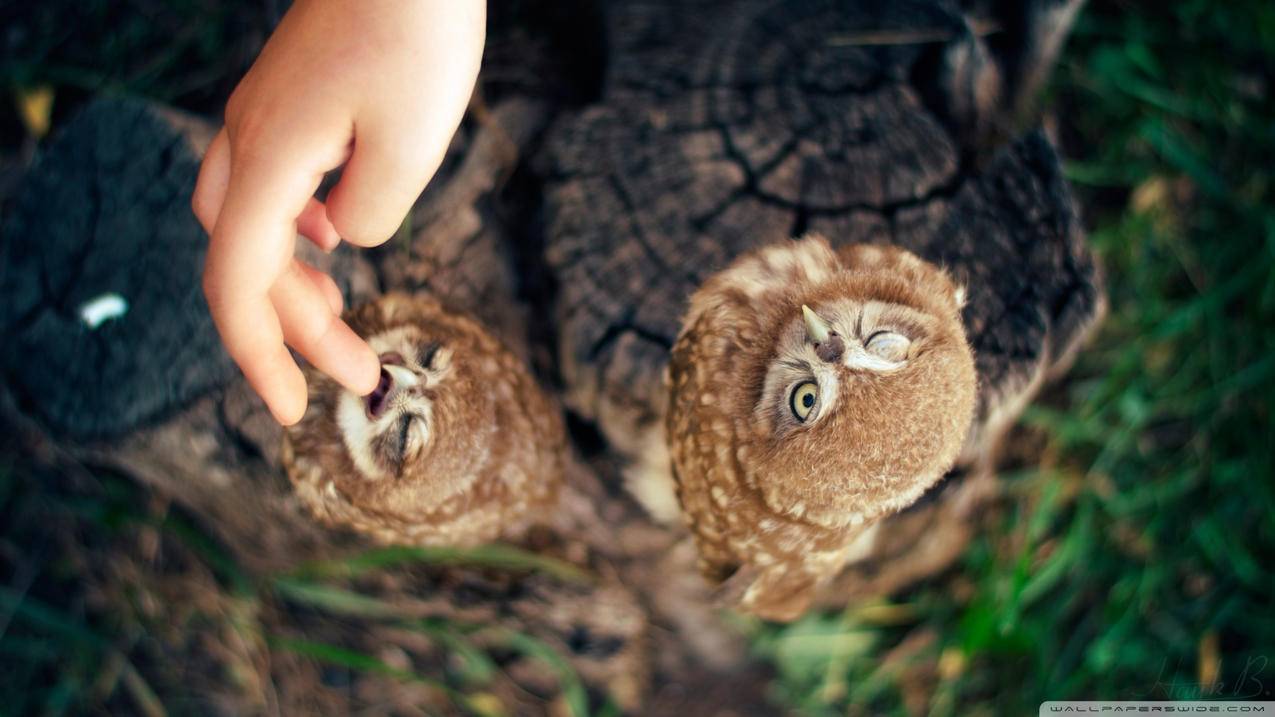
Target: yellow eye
[[804, 398]]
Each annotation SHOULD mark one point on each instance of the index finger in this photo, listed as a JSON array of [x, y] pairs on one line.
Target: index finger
[[252, 245]]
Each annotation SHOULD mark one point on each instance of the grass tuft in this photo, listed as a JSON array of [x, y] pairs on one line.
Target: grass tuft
[[1136, 561]]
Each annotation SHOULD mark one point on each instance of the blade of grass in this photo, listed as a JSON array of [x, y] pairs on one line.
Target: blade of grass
[[362, 662], [333, 599], [496, 556], [572, 688]]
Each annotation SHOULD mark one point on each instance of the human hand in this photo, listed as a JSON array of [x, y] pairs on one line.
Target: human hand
[[377, 85]]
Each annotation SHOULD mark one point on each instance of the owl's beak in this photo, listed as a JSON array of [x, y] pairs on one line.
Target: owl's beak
[[817, 329], [403, 377], [394, 378]]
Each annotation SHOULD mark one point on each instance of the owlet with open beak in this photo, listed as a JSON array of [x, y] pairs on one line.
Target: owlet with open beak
[[457, 445]]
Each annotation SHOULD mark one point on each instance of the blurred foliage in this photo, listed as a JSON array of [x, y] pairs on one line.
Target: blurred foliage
[[1135, 561], [59, 651], [1130, 558], [186, 52], [94, 566]]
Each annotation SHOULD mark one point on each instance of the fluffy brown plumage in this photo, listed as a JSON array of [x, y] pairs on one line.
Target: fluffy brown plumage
[[812, 393], [457, 446]]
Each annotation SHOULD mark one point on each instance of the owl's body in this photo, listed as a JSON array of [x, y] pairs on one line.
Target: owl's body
[[811, 393], [456, 446]]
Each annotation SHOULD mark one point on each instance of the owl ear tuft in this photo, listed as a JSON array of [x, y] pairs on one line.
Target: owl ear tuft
[[817, 330], [959, 290]]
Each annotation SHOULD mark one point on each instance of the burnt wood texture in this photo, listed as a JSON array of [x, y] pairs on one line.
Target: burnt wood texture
[[726, 126], [105, 210], [213, 449], [712, 128]]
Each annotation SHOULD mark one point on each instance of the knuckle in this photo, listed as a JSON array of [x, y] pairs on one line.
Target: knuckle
[[201, 205], [326, 284], [331, 285], [247, 128], [308, 327], [395, 160], [198, 207], [237, 103], [360, 228], [312, 331]]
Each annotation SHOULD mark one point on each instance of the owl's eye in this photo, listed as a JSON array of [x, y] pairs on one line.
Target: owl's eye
[[426, 356], [888, 345], [803, 400]]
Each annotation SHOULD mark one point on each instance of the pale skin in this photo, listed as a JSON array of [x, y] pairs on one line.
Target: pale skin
[[376, 86]]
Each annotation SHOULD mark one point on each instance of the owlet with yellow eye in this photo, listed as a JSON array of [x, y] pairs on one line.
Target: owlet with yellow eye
[[813, 392], [456, 446]]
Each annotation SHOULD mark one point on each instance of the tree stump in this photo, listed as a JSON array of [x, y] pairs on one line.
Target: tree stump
[[717, 126], [208, 444], [726, 126]]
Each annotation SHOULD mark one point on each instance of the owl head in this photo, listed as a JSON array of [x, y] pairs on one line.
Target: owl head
[[839, 385], [425, 447]]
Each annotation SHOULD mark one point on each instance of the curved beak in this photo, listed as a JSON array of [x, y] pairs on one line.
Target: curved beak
[[817, 329], [403, 376]]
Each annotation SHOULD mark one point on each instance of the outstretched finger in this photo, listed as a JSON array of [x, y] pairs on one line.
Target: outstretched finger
[[325, 284], [252, 244], [316, 332], [257, 347]]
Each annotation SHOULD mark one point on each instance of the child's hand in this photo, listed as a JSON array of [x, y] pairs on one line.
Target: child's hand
[[380, 83]]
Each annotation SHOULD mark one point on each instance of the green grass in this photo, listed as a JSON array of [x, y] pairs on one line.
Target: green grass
[[56, 654], [188, 52], [76, 637], [1133, 560]]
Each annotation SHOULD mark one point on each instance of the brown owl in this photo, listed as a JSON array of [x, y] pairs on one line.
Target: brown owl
[[812, 393], [456, 446]]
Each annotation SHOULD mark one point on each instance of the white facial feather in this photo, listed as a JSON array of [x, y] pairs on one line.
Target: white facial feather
[[359, 433], [796, 359]]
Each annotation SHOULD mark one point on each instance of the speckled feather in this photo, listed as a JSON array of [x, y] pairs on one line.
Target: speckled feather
[[776, 512], [495, 458]]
